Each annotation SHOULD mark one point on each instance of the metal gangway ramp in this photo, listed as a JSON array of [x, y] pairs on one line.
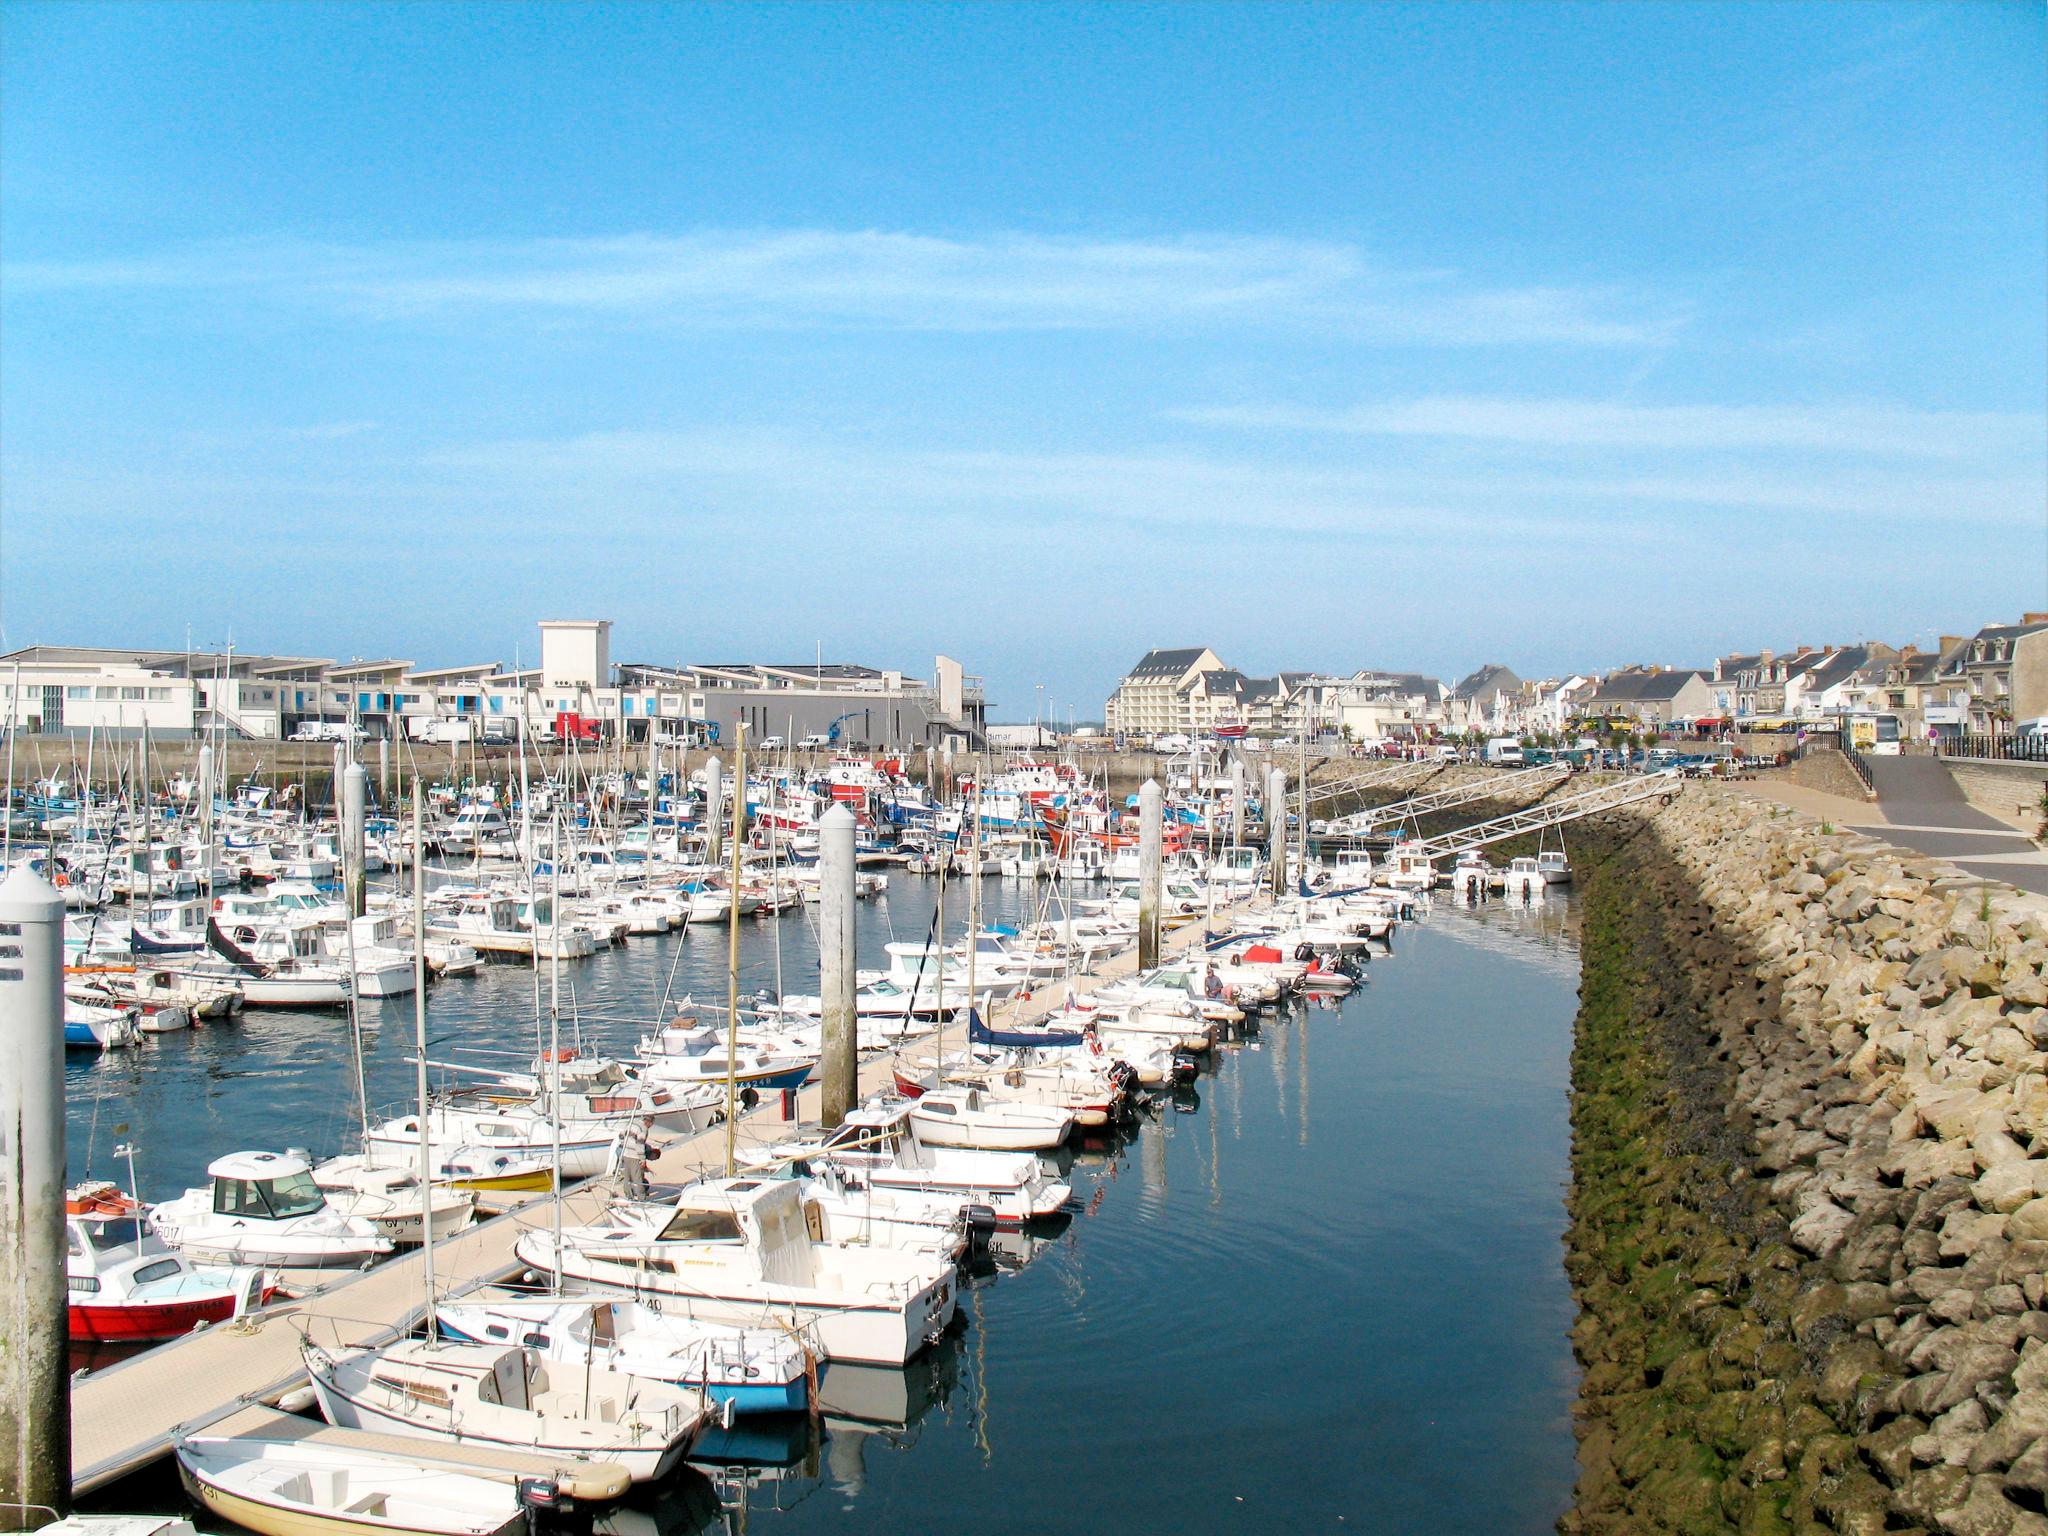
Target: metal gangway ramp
[[1377, 776], [1552, 813], [1363, 823]]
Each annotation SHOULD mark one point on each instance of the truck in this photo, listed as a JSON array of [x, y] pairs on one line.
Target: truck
[[453, 733], [570, 726], [1504, 752]]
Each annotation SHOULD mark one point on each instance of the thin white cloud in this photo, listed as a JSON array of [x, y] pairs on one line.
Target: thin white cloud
[[1183, 488], [889, 280], [1884, 432]]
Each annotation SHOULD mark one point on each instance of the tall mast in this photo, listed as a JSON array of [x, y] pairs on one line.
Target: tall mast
[[419, 1041], [555, 1024], [732, 948]]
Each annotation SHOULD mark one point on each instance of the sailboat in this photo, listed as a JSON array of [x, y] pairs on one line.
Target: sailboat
[[497, 1394]]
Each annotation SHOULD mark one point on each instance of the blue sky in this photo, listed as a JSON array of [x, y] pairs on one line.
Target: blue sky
[[1558, 334]]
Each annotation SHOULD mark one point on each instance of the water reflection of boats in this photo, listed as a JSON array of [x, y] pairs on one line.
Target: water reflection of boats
[[879, 1397], [684, 1504], [1009, 1250]]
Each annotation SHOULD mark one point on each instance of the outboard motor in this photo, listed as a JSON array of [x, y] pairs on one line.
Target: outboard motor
[[1185, 1068], [550, 1511], [1304, 951], [981, 1227]]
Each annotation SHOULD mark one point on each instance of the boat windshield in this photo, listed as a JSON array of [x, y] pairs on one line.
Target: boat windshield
[[702, 1227], [268, 1199], [103, 1235]]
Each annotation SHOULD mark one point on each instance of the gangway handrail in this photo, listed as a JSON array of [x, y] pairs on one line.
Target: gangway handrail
[[1359, 823], [1377, 776], [1552, 813]]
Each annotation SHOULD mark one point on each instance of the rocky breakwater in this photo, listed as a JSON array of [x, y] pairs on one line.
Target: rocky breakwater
[[1810, 1183]]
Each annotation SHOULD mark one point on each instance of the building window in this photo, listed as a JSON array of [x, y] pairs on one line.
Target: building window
[[132, 693], [160, 693], [78, 693]]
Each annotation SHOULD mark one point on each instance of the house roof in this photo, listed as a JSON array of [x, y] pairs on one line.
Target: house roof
[[1154, 665], [1634, 685], [1838, 666], [1490, 679]]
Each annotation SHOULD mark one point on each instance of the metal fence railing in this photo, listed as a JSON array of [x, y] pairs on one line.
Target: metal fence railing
[[1856, 761], [1999, 747]]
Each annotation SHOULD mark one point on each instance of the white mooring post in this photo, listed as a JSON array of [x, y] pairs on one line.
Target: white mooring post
[[714, 809], [35, 1385], [836, 961], [1276, 828], [1149, 873]]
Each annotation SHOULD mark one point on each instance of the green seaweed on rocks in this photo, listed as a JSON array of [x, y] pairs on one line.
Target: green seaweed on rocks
[[1705, 1346]]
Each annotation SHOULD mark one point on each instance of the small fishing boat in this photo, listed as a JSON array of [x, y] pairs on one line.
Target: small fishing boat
[[265, 1208], [966, 1117], [690, 1055], [94, 1028], [373, 1188], [127, 1286], [301, 1488]]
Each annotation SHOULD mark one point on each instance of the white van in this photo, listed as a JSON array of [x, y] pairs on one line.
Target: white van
[[326, 730], [448, 732], [1504, 752]]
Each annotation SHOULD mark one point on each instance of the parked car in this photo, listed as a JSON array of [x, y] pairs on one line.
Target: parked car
[[772, 743], [815, 741]]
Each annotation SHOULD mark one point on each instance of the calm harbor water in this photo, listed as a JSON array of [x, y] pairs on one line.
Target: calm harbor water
[[1320, 1290]]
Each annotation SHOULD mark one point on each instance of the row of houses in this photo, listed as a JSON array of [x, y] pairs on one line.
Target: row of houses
[[53, 690], [1984, 683]]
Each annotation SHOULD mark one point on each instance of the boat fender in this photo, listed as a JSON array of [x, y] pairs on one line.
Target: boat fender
[[299, 1401]]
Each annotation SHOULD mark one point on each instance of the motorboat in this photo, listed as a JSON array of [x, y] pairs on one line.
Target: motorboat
[[506, 1398], [265, 1208], [1525, 878], [128, 1286], [740, 1251], [756, 1370]]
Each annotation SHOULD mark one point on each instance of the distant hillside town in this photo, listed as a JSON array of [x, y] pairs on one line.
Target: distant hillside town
[[1990, 684]]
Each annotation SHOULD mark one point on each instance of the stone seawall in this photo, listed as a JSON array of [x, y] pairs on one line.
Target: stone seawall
[[1810, 1202]]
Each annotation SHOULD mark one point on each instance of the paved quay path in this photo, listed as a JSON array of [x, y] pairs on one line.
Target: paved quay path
[[127, 1416], [1919, 808]]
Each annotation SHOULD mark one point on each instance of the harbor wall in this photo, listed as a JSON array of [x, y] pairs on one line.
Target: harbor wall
[[2001, 788], [1825, 769], [1809, 1208]]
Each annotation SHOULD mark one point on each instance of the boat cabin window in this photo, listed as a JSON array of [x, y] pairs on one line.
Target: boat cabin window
[[268, 1199], [162, 1269], [932, 1107], [85, 1284], [702, 1227]]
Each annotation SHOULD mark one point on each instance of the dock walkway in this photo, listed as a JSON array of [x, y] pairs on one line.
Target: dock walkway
[[128, 1415]]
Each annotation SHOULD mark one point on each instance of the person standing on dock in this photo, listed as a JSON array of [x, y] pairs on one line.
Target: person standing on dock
[[633, 1159]]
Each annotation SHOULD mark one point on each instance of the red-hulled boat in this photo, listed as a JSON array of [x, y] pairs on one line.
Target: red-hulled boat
[[128, 1286]]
